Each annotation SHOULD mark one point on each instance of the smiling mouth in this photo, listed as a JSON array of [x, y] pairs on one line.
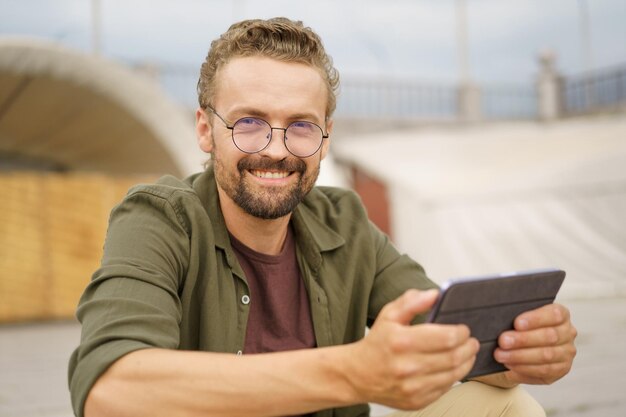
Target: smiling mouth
[[270, 174]]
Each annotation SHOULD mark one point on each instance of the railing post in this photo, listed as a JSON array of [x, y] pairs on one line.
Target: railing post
[[469, 102], [548, 88]]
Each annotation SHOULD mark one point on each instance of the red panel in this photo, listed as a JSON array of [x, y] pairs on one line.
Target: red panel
[[373, 192]]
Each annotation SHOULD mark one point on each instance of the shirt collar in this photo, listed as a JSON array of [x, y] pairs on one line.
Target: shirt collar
[[206, 188], [306, 219]]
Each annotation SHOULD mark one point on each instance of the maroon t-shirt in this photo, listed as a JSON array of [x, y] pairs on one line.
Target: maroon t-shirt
[[280, 315]]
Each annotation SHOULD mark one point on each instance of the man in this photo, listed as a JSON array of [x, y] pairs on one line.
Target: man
[[245, 290]]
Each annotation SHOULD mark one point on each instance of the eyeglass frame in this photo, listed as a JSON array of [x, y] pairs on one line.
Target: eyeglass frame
[[284, 129]]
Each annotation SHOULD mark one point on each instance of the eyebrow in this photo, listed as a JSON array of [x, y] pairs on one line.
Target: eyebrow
[[254, 112]]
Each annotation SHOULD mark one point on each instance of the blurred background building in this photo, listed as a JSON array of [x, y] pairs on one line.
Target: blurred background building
[[482, 137], [76, 131]]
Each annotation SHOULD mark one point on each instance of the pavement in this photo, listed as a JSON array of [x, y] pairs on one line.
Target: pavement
[[33, 366]]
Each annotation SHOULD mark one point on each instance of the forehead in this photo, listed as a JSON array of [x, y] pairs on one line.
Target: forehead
[[271, 86]]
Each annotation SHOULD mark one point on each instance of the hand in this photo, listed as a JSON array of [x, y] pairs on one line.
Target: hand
[[405, 366], [541, 348]]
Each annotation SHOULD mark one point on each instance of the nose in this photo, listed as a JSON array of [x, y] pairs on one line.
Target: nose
[[276, 149]]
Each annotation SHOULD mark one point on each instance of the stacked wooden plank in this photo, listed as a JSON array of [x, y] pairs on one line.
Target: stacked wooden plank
[[52, 228]]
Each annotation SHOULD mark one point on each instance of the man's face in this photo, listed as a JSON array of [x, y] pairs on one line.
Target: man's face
[[270, 183]]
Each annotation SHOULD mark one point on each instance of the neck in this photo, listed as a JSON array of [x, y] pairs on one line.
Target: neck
[[261, 235]]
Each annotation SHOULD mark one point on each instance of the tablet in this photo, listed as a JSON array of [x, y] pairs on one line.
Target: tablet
[[488, 305]]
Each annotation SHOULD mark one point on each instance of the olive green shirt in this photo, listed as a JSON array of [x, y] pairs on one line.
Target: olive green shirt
[[170, 279]]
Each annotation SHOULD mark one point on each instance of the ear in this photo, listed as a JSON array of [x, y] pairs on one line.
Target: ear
[[203, 131], [326, 143]]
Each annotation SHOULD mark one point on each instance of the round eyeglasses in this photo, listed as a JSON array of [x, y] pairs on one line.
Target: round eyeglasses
[[252, 135]]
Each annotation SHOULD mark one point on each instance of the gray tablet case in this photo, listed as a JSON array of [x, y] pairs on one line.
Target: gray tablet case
[[488, 305]]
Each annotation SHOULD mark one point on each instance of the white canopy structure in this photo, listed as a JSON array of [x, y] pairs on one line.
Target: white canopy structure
[[69, 110], [504, 197]]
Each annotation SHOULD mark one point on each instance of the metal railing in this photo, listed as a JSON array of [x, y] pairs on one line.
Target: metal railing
[[596, 91], [396, 99], [378, 98]]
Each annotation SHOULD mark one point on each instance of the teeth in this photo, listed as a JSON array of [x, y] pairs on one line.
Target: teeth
[[268, 174]]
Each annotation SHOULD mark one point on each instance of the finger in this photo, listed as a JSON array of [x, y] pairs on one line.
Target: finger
[[429, 338], [547, 336], [444, 378], [436, 384], [533, 338], [547, 316], [429, 363], [538, 374], [536, 356], [457, 358], [404, 308]]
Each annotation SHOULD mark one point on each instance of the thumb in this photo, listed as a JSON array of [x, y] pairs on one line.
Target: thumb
[[408, 305]]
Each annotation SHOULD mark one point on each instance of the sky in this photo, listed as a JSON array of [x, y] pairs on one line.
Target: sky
[[385, 38]]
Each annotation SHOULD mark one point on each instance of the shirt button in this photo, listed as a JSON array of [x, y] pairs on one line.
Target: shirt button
[[245, 299]]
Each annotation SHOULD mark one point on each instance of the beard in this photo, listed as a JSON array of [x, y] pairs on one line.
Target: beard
[[265, 202]]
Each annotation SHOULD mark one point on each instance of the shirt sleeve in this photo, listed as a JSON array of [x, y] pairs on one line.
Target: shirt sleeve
[[395, 273], [133, 299]]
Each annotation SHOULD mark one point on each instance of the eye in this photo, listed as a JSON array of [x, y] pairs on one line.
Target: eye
[[302, 127], [251, 122], [250, 125]]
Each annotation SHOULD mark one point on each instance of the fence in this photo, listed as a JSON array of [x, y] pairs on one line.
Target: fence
[[389, 98], [596, 91], [396, 99]]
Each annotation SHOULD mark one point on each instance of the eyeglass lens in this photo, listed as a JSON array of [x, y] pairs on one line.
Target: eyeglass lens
[[253, 135]]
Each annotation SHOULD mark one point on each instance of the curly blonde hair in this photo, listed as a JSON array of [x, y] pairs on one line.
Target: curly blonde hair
[[278, 38]]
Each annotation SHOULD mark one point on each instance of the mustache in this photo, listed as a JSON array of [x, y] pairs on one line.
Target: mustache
[[251, 163]]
